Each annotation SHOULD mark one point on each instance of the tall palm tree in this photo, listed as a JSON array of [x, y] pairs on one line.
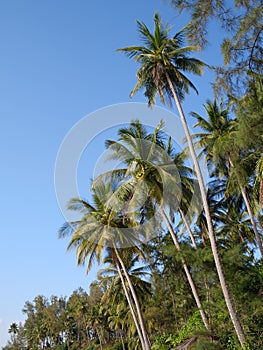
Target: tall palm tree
[[163, 61], [217, 143], [150, 172], [213, 139], [101, 227]]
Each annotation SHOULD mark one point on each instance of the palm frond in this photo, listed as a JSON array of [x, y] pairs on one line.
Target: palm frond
[[80, 205]]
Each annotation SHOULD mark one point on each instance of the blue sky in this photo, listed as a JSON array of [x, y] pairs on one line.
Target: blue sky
[[58, 64]]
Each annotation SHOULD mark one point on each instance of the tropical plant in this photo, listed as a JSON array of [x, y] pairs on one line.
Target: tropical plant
[[150, 174], [99, 228], [217, 141], [163, 61], [117, 299]]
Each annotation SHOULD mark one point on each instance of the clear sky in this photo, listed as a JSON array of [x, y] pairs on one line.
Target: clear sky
[[57, 64]]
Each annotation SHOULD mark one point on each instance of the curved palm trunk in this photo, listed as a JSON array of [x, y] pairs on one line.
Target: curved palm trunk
[[130, 305], [232, 312], [252, 220], [187, 272], [136, 301], [250, 214], [188, 228], [195, 248]]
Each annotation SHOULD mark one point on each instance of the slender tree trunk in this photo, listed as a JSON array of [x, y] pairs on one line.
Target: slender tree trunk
[[128, 297], [188, 228], [252, 220], [195, 247], [187, 272], [136, 301], [232, 312], [250, 214]]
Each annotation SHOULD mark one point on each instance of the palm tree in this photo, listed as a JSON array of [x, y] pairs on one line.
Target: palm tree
[[150, 172], [213, 139], [163, 61], [138, 273], [101, 227], [13, 330], [112, 277], [217, 144]]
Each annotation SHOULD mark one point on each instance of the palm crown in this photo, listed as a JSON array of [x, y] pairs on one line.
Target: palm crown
[[163, 56], [99, 227]]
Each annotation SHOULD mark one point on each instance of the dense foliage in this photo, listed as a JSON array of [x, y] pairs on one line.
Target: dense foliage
[[85, 321], [242, 23]]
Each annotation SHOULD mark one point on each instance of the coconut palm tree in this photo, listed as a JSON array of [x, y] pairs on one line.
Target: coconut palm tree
[[101, 227], [163, 61], [117, 291], [108, 275], [150, 174], [213, 139], [13, 330], [217, 143]]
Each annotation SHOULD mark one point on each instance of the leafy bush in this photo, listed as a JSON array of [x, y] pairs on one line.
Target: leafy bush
[[192, 327]]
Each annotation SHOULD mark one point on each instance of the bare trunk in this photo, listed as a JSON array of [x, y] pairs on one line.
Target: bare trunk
[[188, 228], [136, 301], [195, 247], [250, 214], [232, 312], [187, 272], [128, 297], [252, 220]]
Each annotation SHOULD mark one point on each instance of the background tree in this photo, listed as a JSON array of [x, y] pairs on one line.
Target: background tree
[[242, 23], [219, 141]]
